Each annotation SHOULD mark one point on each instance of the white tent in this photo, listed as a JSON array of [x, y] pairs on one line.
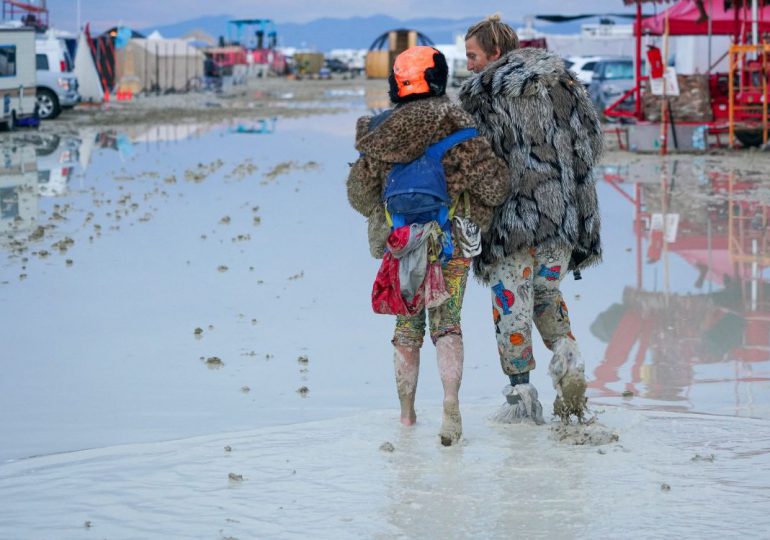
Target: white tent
[[89, 84], [157, 63]]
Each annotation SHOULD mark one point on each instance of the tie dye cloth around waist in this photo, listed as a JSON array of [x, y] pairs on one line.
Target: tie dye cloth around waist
[[407, 280]]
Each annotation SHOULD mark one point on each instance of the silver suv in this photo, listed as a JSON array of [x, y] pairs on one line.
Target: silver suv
[[57, 86], [611, 79]]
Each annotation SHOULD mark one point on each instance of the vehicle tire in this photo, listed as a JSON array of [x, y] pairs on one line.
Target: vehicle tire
[[750, 138], [48, 106]]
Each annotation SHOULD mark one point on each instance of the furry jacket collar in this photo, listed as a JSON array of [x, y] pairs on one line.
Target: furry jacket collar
[[410, 128]]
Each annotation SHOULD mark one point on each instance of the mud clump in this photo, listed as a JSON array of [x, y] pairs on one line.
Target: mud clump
[[303, 391], [590, 433], [303, 359], [627, 394], [235, 477], [387, 447], [214, 362], [707, 458], [573, 399], [665, 487], [37, 234]]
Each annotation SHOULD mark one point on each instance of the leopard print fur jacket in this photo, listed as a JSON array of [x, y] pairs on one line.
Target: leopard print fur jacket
[[539, 118], [402, 137]]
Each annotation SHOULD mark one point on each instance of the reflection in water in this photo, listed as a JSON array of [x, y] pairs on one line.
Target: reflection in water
[[18, 193], [717, 223], [263, 126], [38, 164]]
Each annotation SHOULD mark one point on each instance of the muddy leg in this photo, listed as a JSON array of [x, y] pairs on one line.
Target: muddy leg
[[449, 350], [406, 363]]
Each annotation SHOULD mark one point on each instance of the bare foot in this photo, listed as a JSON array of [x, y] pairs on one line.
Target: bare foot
[[409, 420], [452, 424]]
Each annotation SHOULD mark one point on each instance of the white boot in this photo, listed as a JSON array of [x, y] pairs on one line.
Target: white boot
[[567, 371], [522, 406]]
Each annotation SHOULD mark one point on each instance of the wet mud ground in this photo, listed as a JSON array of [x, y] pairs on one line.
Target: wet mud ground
[[203, 276]]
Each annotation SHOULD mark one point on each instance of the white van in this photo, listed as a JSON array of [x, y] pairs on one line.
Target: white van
[[17, 75], [57, 85]]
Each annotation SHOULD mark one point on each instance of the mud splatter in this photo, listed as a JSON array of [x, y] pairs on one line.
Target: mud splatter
[[590, 433], [214, 362]]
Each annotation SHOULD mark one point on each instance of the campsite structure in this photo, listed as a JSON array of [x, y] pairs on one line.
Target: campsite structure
[[736, 101], [17, 76]]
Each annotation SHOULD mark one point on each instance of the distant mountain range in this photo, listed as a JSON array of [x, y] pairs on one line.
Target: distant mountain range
[[355, 33]]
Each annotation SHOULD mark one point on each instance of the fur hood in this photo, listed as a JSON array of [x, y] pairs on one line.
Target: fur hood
[[400, 136], [539, 118]]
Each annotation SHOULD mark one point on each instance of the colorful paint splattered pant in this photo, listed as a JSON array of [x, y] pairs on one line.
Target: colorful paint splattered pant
[[445, 319], [525, 287]]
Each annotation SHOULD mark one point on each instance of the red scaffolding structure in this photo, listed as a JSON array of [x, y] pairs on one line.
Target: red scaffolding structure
[[33, 14]]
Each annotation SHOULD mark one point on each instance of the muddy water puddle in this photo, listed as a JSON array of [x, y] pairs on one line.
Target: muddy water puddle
[[117, 246], [684, 317]]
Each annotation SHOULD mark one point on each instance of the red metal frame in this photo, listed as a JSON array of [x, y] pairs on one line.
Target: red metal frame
[[14, 8]]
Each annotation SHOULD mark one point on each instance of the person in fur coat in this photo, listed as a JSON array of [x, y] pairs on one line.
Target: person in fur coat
[[422, 116], [539, 118]]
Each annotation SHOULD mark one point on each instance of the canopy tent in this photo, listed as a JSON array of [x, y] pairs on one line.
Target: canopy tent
[[685, 19]]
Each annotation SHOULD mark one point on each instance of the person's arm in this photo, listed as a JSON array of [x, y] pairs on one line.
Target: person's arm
[[364, 185], [485, 176]]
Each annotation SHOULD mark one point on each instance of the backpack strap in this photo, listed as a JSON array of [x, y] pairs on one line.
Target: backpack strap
[[437, 150]]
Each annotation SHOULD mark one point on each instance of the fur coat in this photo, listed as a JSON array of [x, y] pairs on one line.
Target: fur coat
[[402, 137], [539, 118]]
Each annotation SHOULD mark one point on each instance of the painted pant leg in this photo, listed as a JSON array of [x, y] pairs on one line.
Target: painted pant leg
[[550, 311], [445, 319], [410, 330], [512, 305]]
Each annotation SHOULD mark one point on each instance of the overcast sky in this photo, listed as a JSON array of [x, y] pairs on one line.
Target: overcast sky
[[146, 13]]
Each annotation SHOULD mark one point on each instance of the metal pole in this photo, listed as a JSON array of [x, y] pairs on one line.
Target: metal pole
[[638, 75], [731, 99], [763, 51], [710, 32], [754, 23]]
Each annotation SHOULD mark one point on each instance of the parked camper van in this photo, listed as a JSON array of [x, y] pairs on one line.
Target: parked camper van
[[17, 75], [57, 85]]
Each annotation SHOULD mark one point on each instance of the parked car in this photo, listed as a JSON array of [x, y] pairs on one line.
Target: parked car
[[335, 65], [582, 66], [57, 86], [612, 78]]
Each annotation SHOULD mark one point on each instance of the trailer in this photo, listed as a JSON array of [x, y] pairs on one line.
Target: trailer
[[17, 76]]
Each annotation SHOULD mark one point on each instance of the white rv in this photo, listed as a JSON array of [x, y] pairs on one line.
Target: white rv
[[17, 75]]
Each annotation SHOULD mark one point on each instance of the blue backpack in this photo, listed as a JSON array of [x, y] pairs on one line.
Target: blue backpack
[[416, 192]]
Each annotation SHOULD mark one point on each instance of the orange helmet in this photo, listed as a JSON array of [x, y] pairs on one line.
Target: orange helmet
[[419, 70]]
